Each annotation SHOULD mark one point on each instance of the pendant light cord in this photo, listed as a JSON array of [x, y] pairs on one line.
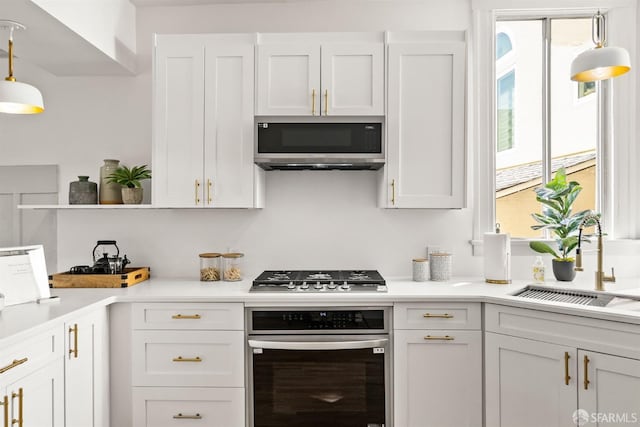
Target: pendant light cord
[[598, 30]]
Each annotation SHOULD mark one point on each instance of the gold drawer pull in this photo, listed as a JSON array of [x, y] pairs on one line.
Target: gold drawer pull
[[5, 403], [74, 351], [586, 372], [439, 338], [567, 377], [13, 364], [187, 417], [186, 316], [187, 359], [20, 396], [440, 316]]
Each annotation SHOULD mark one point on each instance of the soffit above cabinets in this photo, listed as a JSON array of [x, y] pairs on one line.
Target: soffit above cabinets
[[153, 3], [53, 46]]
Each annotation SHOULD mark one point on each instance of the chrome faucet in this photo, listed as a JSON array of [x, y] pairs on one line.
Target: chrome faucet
[[601, 277]]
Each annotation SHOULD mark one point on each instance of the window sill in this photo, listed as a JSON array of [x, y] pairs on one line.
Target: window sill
[[520, 247]]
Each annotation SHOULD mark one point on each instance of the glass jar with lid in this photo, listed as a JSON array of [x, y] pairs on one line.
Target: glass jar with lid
[[210, 267], [232, 266]]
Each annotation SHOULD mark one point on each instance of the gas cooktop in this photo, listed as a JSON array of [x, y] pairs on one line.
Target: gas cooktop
[[319, 281]]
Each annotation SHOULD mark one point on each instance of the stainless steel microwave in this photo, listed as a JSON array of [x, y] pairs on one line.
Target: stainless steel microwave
[[319, 145]]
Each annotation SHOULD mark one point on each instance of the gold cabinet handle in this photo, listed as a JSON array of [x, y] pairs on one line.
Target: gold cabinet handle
[[186, 316], [567, 377], [439, 338], [313, 102], [187, 359], [197, 192], [187, 417], [586, 372], [19, 395], [13, 364], [326, 102], [393, 192], [5, 403], [74, 350], [209, 184], [439, 316]]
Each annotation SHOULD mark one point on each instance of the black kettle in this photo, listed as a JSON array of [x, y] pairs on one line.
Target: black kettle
[[108, 264]]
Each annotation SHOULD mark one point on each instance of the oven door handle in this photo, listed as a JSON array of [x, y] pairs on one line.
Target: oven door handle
[[318, 345]]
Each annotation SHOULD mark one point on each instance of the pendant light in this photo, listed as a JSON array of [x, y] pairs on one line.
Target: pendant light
[[17, 97], [600, 63]]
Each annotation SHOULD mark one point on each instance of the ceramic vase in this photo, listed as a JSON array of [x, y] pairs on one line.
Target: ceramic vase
[[83, 192], [110, 193]]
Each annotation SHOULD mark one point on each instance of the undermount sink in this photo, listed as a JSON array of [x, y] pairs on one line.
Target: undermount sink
[[580, 297]]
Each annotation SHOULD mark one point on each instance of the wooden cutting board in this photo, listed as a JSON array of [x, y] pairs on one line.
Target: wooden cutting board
[[131, 276]]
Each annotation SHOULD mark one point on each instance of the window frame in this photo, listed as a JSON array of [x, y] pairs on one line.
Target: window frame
[[616, 160]]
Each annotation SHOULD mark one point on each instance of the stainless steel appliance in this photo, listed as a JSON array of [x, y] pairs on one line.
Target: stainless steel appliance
[[319, 281], [311, 367], [319, 145]]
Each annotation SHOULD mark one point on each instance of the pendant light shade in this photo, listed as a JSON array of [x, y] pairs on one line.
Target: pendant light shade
[[17, 97], [600, 63]]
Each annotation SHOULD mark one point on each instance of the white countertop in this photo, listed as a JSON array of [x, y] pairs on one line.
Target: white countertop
[[32, 317]]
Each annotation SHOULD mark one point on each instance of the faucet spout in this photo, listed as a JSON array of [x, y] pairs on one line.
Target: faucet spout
[[600, 277]]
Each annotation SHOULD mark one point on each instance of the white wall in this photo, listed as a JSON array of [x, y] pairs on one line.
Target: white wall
[[312, 219]]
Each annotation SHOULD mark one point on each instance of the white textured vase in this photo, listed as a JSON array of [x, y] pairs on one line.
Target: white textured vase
[[132, 196]]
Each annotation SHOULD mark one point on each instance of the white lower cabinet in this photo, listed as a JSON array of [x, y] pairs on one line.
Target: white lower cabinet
[[175, 406], [540, 369], [525, 382], [32, 382], [608, 389], [37, 398], [437, 372], [188, 365], [86, 371]]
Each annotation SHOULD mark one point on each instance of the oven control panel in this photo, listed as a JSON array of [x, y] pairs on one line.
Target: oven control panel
[[311, 320]]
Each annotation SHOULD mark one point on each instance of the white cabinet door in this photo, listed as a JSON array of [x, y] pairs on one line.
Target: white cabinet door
[[352, 79], [86, 371], [529, 383], [38, 398], [169, 407], [438, 378], [178, 123], [608, 389], [425, 126], [288, 79], [228, 143]]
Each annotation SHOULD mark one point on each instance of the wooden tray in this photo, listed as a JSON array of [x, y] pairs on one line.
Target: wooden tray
[[131, 276]]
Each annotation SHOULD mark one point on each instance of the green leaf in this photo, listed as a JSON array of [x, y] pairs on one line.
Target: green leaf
[[543, 248]]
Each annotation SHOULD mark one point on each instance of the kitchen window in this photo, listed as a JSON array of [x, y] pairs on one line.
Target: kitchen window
[[530, 118], [539, 126]]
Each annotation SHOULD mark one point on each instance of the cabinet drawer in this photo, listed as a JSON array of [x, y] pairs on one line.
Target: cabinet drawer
[[437, 315], [188, 316], [30, 354], [168, 407], [188, 358], [582, 332]]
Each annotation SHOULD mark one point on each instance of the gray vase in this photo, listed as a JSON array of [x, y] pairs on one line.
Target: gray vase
[[83, 192], [563, 270]]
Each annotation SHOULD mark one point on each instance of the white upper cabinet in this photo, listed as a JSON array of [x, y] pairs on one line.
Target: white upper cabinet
[[203, 122], [320, 78], [425, 125]]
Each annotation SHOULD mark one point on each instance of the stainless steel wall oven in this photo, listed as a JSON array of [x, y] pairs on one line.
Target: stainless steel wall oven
[[312, 367]]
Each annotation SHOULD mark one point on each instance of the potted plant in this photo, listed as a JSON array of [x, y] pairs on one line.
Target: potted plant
[[557, 197], [130, 180]]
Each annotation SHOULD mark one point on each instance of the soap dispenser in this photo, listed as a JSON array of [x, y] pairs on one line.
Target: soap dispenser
[[538, 270]]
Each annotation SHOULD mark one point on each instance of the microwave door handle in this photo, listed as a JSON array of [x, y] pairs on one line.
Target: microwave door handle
[[318, 345]]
